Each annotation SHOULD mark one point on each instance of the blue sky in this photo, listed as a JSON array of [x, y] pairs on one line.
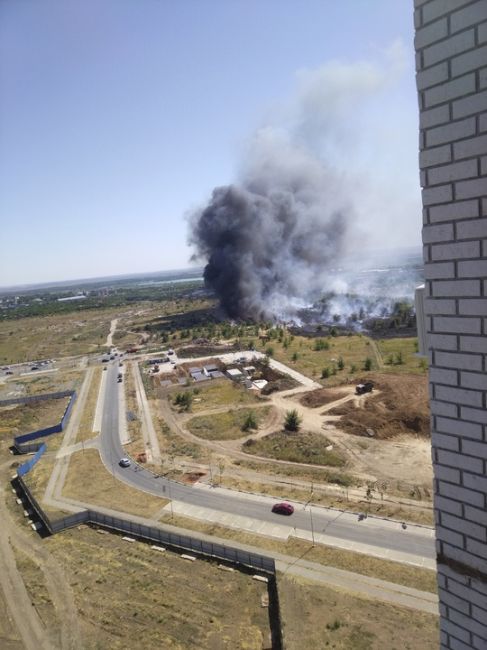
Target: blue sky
[[120, 116]]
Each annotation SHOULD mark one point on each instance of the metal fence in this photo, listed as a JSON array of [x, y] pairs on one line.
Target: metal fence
[[151, 534], [20, 485], [35, 398], [20, 441], [28, 465], [167, 538]]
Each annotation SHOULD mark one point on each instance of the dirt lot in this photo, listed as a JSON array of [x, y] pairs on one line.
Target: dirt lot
[[321, 396], [400, 407], [317, 617], [129, 596]]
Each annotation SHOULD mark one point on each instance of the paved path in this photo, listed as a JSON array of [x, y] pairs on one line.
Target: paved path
[[58, 475], [149, 435]]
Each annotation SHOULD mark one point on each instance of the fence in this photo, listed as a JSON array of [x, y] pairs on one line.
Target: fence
[[149, 534], [19, 484], [35, 398], [28, 465], [20, 445]]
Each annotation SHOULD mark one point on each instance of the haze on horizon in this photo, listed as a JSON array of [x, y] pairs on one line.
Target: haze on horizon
[[119, 118]]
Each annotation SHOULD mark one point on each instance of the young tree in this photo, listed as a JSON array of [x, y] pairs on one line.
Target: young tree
[[250, 422], [341, 363], [269, 351], [368, 364], [295, 357], [292, 421], [325, 373]]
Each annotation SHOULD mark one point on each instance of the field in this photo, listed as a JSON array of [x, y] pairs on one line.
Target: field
[[88, 480], [45, 337], [128, 596], [301, 447], [24, 418], [228, 425], [63, 379], [221, 393], [317, 617]]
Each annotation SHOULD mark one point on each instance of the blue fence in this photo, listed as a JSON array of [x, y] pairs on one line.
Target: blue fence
[[28, 465], [20, 441]]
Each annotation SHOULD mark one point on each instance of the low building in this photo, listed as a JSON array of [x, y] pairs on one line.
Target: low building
[[235, 374]]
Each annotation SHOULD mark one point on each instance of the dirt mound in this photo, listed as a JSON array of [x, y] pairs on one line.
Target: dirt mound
[[321, 396], [400, 406]]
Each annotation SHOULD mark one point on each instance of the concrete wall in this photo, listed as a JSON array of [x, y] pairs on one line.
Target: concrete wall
[[451, 63]]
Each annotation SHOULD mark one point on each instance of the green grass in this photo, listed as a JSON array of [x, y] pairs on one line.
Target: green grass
[[225, 426], [352, 349], [399, 355], [301, 447]]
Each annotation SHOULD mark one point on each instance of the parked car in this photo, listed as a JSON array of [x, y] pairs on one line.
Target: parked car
[[124, 462], [368, 387], [283, 508]]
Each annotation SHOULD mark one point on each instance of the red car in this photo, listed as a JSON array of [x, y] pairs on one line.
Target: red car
[[283, 508]]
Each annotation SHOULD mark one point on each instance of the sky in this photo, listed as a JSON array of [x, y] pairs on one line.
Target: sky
[[119, 117]]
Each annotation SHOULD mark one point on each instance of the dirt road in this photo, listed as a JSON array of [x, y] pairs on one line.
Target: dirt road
[[33, 632]]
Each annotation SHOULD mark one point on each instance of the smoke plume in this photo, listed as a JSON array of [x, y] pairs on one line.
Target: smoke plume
[[270, 239]]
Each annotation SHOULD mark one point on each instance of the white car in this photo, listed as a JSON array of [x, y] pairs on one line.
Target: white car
[[124, 462]]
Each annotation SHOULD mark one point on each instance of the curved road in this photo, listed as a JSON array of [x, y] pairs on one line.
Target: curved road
[[384, 534]]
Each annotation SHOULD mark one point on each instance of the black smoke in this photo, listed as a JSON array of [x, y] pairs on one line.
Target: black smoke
[[269, 241]]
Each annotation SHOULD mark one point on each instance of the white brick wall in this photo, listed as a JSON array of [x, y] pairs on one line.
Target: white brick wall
[[451, 62]]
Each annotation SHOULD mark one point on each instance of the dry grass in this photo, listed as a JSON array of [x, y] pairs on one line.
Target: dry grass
[[23, 418], [409, 576], [316, 617], [222, 392], [226, 426], [44, 337], [353, 350], [88, 481], [299, 447], [129, 596], [37, 480], [290, 492], [85, 430], [36, 587]]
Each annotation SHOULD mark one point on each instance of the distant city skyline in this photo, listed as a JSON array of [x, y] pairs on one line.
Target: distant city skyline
[[119, 118]]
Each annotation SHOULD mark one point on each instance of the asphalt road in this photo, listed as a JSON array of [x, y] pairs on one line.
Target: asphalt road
[[373, 531]]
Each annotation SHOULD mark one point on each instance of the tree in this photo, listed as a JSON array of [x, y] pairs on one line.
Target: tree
[[184, 400], [325, 373], [250, 422], [399, 359], [368, 364], [292, 421], [341, 363], [295, 357], [269, 351]]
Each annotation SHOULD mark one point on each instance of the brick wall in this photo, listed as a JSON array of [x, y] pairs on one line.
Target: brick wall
[[451, 63]]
